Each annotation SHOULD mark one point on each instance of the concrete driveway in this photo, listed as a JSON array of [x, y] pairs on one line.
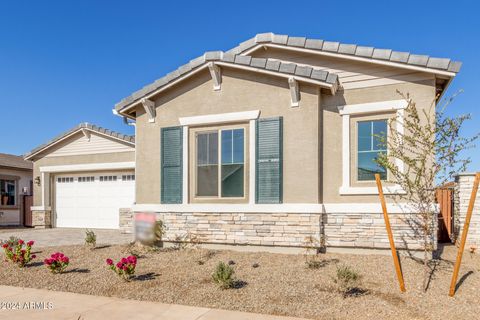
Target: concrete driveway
[[65, 236]]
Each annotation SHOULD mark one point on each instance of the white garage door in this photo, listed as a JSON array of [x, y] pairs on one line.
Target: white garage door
[[92, 200]]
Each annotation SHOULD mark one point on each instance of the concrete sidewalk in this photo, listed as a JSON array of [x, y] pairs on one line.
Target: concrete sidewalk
[[44, 304]]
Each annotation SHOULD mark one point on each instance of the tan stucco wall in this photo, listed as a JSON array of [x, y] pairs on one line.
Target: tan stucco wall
[[79, 159], [310, 176], [240, 92], [423, 93]]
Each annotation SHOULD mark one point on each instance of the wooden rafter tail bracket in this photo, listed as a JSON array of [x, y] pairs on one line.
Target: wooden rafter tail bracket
[[463, 240]]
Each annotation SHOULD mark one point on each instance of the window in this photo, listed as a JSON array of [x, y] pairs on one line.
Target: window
[[108, 178], [86, 179], [65, 180], [7, 192], [220, 163], [128, 177], [369, 147]]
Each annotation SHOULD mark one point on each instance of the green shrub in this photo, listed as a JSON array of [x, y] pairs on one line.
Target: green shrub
[[90, 238], [224, 276], [347, 280]]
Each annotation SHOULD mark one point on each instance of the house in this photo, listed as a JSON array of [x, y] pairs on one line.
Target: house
[[273, 141], [83, 178], [15, 183]]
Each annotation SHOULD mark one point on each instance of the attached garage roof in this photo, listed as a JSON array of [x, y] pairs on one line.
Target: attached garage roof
[[13, 161], [272, 66], [82, 126]]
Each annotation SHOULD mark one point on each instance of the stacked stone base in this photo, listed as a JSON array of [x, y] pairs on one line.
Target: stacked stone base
[[126, 220], [343, 230], [367, 230], [41, 218], [463, 191]]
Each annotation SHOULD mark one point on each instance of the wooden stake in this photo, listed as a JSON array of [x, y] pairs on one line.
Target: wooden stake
[[390, 235], [458, 262]]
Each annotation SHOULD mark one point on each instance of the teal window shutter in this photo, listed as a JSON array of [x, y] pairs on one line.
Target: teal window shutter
[[269, 160], [171, 166]]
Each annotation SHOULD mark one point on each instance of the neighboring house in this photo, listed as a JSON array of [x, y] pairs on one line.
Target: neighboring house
[[82, 178], [15, 183], [271, 142]]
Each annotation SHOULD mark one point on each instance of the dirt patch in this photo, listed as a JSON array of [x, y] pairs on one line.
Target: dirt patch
[[278, 284]]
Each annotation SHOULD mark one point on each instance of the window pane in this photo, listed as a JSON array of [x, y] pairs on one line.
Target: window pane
[[207, 168], [7, 192], [238, 146], [232, 146], [379, 129], [202, 140], [227, 145], [213, 148], [207, 180], [364, 136], [367, 167], [232, 180]]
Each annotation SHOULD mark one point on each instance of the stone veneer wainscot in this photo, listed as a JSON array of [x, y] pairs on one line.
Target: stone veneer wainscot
[[344, 230]]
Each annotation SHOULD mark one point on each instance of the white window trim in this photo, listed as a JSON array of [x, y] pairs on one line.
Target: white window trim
[[362, 109], [219, 131], [222, 118]]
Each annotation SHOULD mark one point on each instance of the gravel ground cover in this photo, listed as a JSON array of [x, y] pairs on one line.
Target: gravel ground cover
[[280, 284]]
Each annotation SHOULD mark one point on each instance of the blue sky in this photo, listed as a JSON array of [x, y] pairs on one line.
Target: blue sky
[[66, 62]]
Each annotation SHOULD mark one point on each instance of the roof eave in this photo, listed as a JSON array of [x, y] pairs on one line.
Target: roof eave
[[445, 73], [331, 86]]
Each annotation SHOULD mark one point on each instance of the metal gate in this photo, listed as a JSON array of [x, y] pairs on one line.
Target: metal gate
[[444, 196]]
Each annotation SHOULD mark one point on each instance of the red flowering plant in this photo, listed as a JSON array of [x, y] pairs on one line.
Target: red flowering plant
[[18, 252], [125, 268], [57, 263]]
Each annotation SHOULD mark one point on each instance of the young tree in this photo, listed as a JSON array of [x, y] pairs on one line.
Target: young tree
[[429, 147]]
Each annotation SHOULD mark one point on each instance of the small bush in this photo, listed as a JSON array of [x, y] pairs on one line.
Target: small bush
[[57, 263], [90, 238], [160, 231], [312, 259], [125, 268], [16, 253], [12, 241], [347, 281], [224, 276], [180, 242]]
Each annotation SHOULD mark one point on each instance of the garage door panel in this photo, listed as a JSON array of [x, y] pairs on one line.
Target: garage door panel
[[92, 204]]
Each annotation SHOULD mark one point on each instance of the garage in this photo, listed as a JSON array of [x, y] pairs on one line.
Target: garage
[[92, 200], [83, 178]]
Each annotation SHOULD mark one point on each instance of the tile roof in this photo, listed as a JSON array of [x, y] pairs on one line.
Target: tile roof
[[13, 161], [237, 56], [85, 125], [234, 59], [407, 58]]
